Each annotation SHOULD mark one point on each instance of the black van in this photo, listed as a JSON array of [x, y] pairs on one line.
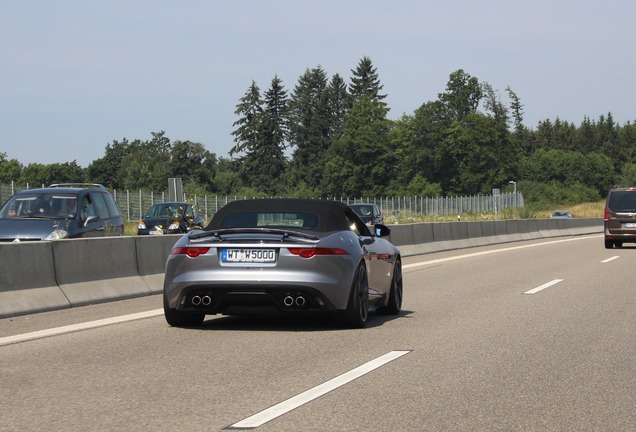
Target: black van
[[60, 211], [620, 217]]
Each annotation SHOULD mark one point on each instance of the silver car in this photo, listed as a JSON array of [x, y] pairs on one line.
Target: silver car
[[283, 257]]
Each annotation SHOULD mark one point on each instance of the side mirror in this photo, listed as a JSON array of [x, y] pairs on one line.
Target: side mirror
[[382, 230]]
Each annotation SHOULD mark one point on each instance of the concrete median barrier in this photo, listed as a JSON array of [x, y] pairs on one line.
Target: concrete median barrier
[[414, 239], [27, 280], [401, 235], [152, 252], [98, 270], [43, 276]]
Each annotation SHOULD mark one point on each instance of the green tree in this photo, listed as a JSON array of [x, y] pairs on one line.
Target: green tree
[[507, 150], [627, 142], [365, 82], [430, 124], [339, 104], [608, 134], [108, 169], [10, 169], [250, 111], [360, 161], [310, 121], [400, 139], [587, 137], [227, 179], [265, 163], [191, 162], [468, 161], [147, 165], [627, 177], [462, 96], [517, 110], [66, 172], [37, 175], [594, 170]]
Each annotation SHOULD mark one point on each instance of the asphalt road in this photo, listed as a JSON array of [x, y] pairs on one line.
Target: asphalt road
[[531, 336]]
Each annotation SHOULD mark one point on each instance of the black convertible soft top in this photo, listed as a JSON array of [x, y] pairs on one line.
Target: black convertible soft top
[[332, 215]]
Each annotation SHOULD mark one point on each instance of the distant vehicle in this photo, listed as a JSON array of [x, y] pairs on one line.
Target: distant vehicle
[[561, 214], [60, 211], [369, 213], [170, 218], [619, 219], [283, 257]]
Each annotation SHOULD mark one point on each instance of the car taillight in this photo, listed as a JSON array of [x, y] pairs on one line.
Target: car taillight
[[606, 216], [310, 252], [192, 252]]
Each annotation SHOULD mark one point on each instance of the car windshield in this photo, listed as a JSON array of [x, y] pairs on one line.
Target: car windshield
[[362, 210], [622, 201], [270, 220], [40, 205], [164, 210]]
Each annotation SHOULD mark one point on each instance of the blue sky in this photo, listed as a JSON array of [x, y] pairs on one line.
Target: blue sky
[[76, 75]]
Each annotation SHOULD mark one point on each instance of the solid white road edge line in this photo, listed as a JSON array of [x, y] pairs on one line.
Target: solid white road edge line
[[77, 327], [284, 407], [474, 254], [544, 286]]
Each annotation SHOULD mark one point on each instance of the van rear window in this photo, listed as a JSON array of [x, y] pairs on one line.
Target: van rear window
[[622, 201]]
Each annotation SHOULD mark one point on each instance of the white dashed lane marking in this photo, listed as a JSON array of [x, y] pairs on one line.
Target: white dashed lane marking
[[286, 406]]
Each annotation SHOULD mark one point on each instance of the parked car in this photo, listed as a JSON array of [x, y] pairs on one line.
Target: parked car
[[170, 218], [283, 257], [60, 211], [369, 213], [620, 217], [561, 214]]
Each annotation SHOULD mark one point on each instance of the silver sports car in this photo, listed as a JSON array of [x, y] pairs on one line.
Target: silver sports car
[[283, 257]]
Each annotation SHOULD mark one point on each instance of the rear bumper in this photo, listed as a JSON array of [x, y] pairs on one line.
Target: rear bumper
[[244, 300]]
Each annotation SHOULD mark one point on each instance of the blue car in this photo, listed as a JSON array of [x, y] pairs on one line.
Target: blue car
[[60, 211]]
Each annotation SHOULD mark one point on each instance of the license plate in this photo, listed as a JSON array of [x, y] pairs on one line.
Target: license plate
[[248, 255], [629, 225]]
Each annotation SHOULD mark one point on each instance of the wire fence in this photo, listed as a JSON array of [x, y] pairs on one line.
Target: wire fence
[[134, 204]]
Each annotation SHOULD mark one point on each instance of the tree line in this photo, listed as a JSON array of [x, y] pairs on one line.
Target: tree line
[[329, 137]]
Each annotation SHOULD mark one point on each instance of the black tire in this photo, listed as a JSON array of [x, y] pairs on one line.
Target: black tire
[[608, 244], [176, 318], [357, 313], [394, 306]]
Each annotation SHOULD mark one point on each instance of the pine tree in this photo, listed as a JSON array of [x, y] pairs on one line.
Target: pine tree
[[265, 162], [309, 127], [365, 82], [250, 109], [339, 104]]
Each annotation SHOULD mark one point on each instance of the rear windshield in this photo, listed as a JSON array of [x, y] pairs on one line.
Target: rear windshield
[[622, 201], [270, 220]]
